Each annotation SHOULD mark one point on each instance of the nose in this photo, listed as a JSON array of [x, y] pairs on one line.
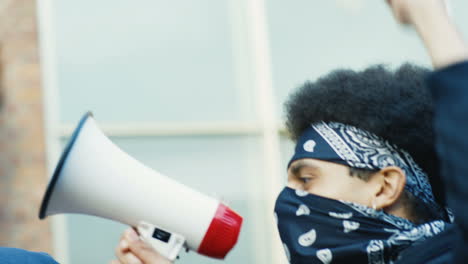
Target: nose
[[293, 184]]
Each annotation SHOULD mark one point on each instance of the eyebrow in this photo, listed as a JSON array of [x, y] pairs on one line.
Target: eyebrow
[[296, 167]]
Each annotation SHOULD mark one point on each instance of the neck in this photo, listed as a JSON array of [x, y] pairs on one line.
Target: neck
[[402, 210]]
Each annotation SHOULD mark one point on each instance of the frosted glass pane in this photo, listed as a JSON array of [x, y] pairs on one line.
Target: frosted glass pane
[[221, 166], [149, 60], [314, 37]]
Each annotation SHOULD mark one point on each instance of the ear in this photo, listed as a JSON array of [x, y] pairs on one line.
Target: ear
[[391, 182]]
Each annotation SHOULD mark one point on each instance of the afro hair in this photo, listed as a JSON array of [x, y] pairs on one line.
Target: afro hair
[[393, 104]]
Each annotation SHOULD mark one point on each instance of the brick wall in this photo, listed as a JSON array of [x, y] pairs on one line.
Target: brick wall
[[22, 149]]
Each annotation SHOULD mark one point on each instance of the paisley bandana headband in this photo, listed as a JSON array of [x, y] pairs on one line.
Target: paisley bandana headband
[[354, 147]]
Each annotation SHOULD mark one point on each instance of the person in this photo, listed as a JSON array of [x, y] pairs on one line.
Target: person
[[16, 255], [377, 159], [447, 85]]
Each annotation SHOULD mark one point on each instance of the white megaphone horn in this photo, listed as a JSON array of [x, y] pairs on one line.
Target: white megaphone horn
[[95, 177]]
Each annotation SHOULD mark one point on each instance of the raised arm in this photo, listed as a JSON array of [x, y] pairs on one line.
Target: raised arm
[[449, 87], [431, 20]]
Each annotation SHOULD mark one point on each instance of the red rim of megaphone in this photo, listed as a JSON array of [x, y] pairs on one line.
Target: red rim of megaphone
[[222, 233], [58, 169]]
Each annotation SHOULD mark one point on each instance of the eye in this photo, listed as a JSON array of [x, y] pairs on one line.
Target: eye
[[305, 180]]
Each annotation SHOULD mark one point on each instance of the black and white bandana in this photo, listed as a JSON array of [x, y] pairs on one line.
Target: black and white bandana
[[315, 229], [354, 147]]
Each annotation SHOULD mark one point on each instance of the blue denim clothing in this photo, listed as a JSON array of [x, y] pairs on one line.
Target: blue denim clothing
[[21, 256]]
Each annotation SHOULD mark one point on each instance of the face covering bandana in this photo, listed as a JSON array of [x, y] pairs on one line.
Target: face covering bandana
[[315, 229]]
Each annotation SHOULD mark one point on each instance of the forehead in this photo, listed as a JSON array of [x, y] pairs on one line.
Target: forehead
[[304, 163], [312, 163]]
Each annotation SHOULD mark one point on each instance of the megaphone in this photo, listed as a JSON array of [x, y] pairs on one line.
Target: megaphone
[[95, 177]]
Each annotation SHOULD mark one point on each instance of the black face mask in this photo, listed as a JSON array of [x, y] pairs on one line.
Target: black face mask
[[315, 229]]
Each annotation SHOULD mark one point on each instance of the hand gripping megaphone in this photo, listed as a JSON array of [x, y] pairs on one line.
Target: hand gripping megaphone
[[94, 177]]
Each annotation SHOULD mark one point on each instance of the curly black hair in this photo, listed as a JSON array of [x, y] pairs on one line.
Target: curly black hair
[[393, 104]]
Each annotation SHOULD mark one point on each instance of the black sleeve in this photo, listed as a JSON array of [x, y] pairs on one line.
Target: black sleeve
[[449, 88]]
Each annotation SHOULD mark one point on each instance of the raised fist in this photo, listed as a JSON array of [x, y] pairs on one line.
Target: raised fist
[[406, 10]]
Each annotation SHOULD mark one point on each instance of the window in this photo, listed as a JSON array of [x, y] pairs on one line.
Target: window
[[194, 83]]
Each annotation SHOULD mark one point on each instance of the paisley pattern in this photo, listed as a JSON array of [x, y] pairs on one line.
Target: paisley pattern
[[350, 226], [307, 239], [325, 255], [349, 145], [316, 229], [303, 210], [340, 215], [301, 192], [375, 252], [375, 153]]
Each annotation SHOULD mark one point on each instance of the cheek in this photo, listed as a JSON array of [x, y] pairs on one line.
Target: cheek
[[355, 191], [294, 183], [342, 189], [329, 189]]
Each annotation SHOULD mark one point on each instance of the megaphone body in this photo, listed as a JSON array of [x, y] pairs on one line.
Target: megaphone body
[[95, 177]]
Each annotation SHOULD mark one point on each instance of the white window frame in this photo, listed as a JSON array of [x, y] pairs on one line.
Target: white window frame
[[48, 62]]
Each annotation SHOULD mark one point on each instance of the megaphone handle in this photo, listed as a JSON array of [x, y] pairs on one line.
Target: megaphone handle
[[165, 243]]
